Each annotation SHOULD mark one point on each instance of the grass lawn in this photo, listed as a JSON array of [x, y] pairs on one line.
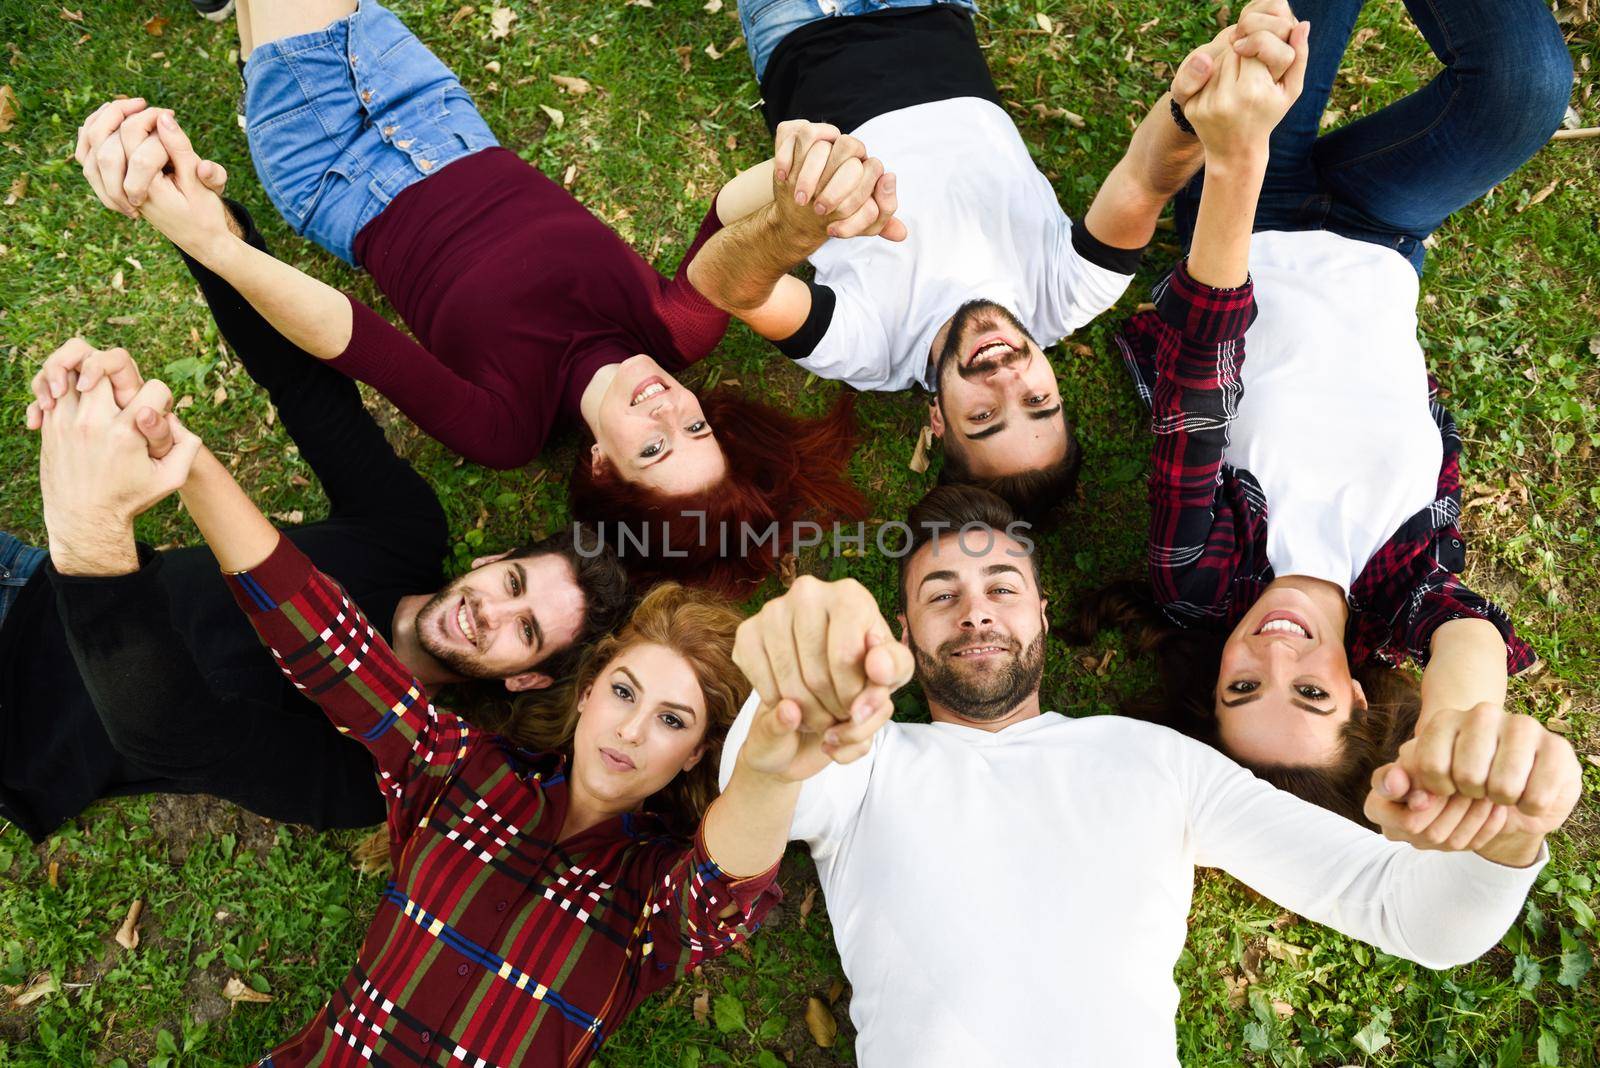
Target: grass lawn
[[1509, 322]]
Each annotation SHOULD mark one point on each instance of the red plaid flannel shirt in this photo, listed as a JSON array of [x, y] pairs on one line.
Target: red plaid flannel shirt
[[1208, 523], [494, 943]]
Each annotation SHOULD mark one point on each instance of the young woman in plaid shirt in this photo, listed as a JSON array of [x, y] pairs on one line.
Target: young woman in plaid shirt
[[1305, 505], [537, 897]]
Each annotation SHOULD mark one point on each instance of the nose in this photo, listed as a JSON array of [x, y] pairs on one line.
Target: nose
[[631, 730], [976, 618], [1281, 651]]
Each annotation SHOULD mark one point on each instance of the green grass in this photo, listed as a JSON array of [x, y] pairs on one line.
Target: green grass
[[1509, 326]]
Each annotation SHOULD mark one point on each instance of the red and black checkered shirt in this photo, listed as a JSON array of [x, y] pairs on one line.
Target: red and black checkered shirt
[[495, 943], [1208, 524]]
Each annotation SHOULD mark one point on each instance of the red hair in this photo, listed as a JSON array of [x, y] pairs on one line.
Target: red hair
[[781, 469]]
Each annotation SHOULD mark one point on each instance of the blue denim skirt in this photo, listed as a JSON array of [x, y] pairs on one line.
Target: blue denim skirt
[[342, 119]]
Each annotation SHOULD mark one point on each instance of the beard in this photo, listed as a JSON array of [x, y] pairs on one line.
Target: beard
[[430, 620], [973, 318], [984, 695]]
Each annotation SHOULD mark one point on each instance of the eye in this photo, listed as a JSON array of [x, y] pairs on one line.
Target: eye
[[1312, 693], [999, 590], [513, 584], [652, 449], [527, 633], [1037, 399], [674, 721], [982, 417], [696, 426], [622, 691], [1242, 687], [936, 598]]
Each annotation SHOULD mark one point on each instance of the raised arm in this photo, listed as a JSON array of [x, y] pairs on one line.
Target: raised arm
[[822, 184]]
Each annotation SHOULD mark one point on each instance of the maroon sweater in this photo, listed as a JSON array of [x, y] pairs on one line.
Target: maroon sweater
[[517, 295]]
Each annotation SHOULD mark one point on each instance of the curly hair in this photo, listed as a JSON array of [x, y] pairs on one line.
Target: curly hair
[[1187, 664], [781, 469], [698, 626]]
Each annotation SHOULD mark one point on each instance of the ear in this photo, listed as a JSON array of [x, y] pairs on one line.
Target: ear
[[482, 560], [694, 757], [529, 680], [597, 460], [1358, 696], [935, 418], [905, 630], [1044, 614]]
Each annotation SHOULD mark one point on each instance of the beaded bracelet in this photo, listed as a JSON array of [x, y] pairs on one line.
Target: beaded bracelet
[[1178, 117]]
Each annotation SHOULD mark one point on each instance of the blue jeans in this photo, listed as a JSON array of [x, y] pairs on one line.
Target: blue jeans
[[767, 22], [18, 562], [342, 119], [1394, 176]]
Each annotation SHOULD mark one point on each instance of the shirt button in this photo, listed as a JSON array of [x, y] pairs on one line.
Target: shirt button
[[388, 131], [403, 144], [463, 970], [426, 1037], [425, 164], [499, 906], [366, 96]]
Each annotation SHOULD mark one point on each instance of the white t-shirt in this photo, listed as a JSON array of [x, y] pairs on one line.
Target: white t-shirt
[[1020, 898], [983, 223], [1334, 422]]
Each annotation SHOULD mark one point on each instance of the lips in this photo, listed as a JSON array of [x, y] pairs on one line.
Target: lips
[[466, 623], [650, 387], [973, 651], [990, 347], [614, 760], [1287, 623]]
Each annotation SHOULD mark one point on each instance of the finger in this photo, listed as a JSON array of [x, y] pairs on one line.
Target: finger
[[847, 651], [1507, 777], [751, 658], [104, 120], [863, 221], [111, 164], [783, 151], [890, 664], [857, 194], [1278, 21], [812, 657], [1475, 746], [35, 416], [116, 365], [157, 431], [181, 150], [855, 741], [886, 197], [1555, 781], [153, 394], [146, 158], [1429, 760], [1391, 782], [812, 165], [1266, 47], [847, 154], [214, 175], [179, 460], [1491, 828], [1436, 833], [97, 405], [58, 369], [1472, 821], [1193, 73], [1294, 80]]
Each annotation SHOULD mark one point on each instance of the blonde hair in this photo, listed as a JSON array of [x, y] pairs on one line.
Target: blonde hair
[[698, 626]]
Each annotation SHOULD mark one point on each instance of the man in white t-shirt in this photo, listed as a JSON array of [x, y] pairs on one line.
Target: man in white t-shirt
[[1009, 886], [987, 269]]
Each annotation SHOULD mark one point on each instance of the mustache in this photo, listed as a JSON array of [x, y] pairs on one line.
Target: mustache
[[989, 637]]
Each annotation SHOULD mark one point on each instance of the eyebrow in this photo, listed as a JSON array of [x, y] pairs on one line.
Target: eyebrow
[[986, 432], [538, 631], [1297, 703], [936, 576], [995, 569], [1046, 413], [674, 705]]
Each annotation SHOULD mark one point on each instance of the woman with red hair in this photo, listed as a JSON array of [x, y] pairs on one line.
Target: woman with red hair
[[528, 312]]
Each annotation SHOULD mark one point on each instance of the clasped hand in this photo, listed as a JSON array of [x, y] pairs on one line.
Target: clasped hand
[[825, 185]]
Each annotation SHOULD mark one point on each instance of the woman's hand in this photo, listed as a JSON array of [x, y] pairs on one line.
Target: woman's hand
[[182, 204], [1255, 82]]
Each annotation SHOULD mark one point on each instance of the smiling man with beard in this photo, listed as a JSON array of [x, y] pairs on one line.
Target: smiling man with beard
[[1009, 886]]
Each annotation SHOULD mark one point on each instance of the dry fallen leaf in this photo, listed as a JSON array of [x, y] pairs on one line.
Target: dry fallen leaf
[[1238, 990], [72, 16], [788, 571], [185, 401], [808, 903], [500, 21], [1331, 116], [1363, 36], [639, 3], [117, 281], [713, 6], [462, 12], [18, 190], [556, 118], [43, 986], [1594, 758], [1044, 22], [236, 990], [919, 455], [220, 395], [493, 66], [8, 108], [1540, 196], [685, 57], [128, 933], [820, 1022], [702, 1006], [1281, 950], [711, 50], [121, 320], [54, 875], [1282, 1008], [156, 25], [575, 86]]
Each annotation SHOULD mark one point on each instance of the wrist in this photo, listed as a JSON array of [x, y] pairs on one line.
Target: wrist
[[98, 543], [1243, 163], [219, 252], [795, 229], [1513, 849]]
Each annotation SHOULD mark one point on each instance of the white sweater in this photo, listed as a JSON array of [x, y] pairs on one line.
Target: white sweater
[[1020, 898]]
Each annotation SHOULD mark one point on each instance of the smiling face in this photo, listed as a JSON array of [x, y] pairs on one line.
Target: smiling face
[[641, 723], [975, 621], [504, 617], [998, 401], [652, 432], [1284, 691]]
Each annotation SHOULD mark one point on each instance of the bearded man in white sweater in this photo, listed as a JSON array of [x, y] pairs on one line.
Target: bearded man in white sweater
[[1009, 886]]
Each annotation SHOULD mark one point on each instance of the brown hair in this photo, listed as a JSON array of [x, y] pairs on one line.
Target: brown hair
[[952, 509], [1187, 663], [1040, 495], [699, 627], [781, 469]]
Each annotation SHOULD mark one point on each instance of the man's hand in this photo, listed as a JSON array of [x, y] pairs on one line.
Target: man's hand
[[121, 155], [820, 647], [182, 205], [778, 746], [96, 472], [1478, 779], [825, 185], [89, 364]]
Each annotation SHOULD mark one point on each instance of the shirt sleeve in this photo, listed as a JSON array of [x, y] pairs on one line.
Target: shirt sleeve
[[687, 906], [852, 346], [1083, 278], [1438, 909], [479, 422], [829, 802], [1195, 526], [323, 643], [694, 323], [1453, 600]]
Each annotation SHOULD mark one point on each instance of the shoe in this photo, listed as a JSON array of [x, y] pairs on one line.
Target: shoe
[[215, 10]]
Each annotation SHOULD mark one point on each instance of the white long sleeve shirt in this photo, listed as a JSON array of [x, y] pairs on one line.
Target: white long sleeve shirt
[[1020, 898]]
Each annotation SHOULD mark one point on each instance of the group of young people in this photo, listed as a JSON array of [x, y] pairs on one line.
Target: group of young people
[[557, 861]]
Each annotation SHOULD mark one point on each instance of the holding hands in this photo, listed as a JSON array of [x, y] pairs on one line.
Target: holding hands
[[109, 450], [825, 185], [1478, 779], [1252, 76]]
